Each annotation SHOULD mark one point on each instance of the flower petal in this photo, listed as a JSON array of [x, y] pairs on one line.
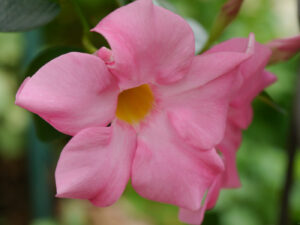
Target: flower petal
[[204, 69], [255, 79], [257, 60], [198, 103], [240, 112], [241, 116], [252, 68], [199, 116], [228, 147], [228, 179], [71, 92], [195, 217], [106, 55], [149, 44], [96, 164], [165, 169], [251, 87]]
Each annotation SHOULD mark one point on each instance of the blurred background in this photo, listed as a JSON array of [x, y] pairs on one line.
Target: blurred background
[[29, 149]]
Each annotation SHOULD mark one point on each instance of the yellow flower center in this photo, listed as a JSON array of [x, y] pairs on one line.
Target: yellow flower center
[[134, 104]]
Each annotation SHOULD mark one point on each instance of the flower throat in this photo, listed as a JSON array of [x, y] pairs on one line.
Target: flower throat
[[134, 104]]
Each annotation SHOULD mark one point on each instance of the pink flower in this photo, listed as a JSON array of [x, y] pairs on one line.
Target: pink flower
[[167, 109], [254, 78]]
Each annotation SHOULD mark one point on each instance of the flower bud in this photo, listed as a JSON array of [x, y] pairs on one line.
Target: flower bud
[[284, 49], [228, 13]]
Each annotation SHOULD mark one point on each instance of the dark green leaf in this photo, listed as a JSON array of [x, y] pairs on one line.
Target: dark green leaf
[[22, 15], [123, 2], [267, 99], [46, 132]]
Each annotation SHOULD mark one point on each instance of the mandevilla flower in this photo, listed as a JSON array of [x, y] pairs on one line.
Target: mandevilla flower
[[253, 80], [168, 109]]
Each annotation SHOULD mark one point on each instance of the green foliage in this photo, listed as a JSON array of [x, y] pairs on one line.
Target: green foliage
[[45, 131], [21, 15], [266, 98], [44, 222], [123, 2]]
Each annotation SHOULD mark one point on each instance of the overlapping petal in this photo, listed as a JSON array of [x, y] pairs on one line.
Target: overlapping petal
[[203, 70], [199, 115], [198, 103], [254, 80], [229, 146], [255, 63], [96, 164], [240, 111], [251, 87], [239, 118], [165, 169], [72, 92], [227, 179], [195, 217], [149, 44], [252, 69]]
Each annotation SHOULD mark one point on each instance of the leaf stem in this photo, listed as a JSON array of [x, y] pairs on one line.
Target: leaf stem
[[293, 142]]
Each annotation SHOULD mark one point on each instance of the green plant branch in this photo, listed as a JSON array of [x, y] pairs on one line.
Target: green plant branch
[[86, 42]]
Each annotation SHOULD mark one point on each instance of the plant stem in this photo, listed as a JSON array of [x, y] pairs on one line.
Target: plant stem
[[87, 44], [294, 141], [292, 147]]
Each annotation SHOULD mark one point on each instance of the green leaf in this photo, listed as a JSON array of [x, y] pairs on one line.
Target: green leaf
[[45, 131], [22, 15], [123, 2], [267, 99]]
